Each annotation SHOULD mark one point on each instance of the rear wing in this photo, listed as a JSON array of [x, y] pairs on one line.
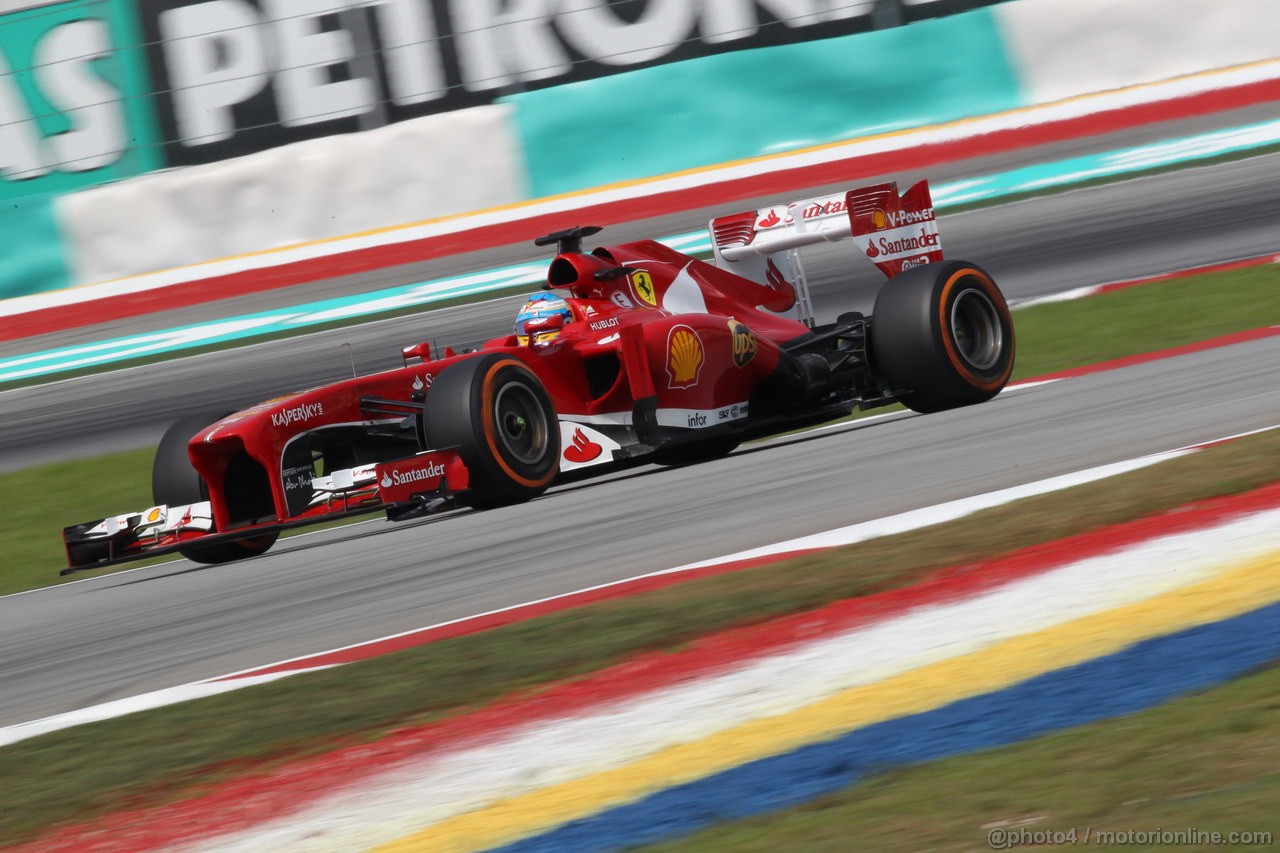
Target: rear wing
[[895, 232]]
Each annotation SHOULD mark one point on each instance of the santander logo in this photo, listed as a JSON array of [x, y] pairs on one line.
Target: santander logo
[[432, 471], [769, 221], [583, 449]]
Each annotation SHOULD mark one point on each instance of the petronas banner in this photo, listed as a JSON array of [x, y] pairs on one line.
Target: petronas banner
[[237, 76]]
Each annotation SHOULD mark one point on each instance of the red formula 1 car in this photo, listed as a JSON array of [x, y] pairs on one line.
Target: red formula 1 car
[[662, 358]]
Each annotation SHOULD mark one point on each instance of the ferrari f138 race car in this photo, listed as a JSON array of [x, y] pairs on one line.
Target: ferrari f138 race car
[[655, 356]]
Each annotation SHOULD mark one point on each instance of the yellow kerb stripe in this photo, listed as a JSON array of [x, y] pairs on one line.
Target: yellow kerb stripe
[[1237, 590]]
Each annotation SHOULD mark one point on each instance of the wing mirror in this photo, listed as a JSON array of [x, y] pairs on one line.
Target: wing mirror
[[422, 352]]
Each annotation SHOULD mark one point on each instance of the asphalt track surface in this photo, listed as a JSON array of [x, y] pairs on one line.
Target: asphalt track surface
[[121, 635], [126, 634]]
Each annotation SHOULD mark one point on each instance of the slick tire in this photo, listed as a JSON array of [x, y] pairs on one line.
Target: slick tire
[[499, 417], [942, 334], [174, 482]]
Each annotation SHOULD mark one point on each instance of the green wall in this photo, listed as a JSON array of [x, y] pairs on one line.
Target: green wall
[[737, 105], [32, 259]]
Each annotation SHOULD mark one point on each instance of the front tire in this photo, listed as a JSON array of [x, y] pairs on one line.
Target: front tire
[[174, 482], [499, 417], [942, 333]]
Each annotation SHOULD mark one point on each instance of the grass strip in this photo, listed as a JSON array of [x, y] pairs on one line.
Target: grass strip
[[158, 755], [41, 501], [1060, 335], [1206, 761], [36, 503]]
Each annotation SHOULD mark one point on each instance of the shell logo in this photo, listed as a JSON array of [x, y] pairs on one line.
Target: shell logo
[[879, 219], [685, 355], [154, 515]]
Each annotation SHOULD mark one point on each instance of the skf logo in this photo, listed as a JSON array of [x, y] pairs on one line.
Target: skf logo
[[685, 356], [643, 283], [744, 343]]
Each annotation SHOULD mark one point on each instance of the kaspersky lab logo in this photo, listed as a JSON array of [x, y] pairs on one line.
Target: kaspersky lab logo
[[297, 414]]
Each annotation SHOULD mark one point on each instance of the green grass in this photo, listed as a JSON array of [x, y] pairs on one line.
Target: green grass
[[36, 503], [1056, 336], [149, 757], [1209, 761]]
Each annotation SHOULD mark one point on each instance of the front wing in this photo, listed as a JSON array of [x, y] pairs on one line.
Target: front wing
[[405, 488]]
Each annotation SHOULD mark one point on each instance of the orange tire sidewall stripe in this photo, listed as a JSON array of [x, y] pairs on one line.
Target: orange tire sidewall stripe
[[956, 361], [492, 440]]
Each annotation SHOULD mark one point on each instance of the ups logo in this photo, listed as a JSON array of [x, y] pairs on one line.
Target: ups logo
[[744, 343]]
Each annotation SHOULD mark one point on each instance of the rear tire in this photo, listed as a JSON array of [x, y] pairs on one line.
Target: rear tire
[[942, 334], [174, 481], [499, 417]]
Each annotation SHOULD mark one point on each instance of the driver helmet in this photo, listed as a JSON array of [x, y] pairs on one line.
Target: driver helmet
[[538, 307]]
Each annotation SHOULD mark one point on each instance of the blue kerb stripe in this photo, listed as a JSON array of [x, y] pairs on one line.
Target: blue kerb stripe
[[1138, 677]]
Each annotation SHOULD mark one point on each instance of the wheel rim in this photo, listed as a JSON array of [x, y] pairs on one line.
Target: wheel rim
[[976, 329], [521, 426]]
